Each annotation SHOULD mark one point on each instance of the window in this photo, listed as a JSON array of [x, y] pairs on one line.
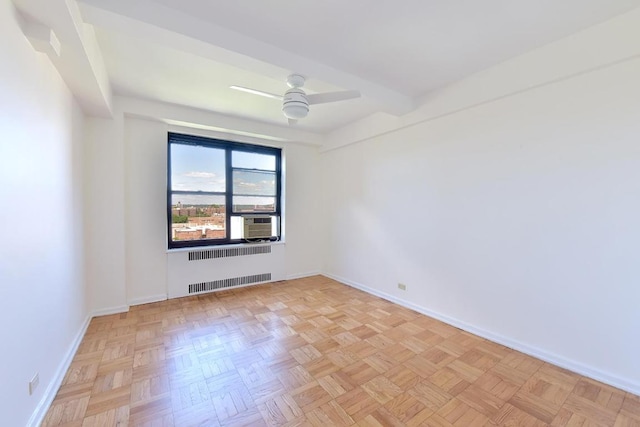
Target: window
[[212, 185]]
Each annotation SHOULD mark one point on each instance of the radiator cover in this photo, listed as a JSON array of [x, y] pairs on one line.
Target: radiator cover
[[206, 270]]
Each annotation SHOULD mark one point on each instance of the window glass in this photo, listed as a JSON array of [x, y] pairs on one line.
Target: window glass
[[242, 159], [196, 168], [253, 204], [254, 183], [203, 206], [196, 217]]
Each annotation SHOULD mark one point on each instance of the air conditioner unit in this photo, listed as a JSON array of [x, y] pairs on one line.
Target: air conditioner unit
[[257, 227]]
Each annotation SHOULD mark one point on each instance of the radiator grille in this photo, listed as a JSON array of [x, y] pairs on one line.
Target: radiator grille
[[228, 252], [228, 283]]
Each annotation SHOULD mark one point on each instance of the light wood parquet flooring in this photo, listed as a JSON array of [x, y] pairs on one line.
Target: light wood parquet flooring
[[313, 352]]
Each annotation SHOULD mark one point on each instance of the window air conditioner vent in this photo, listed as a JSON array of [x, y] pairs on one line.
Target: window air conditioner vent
[[228, 283], [257, 227]]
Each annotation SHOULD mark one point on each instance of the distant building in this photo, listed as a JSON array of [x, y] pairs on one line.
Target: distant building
[[214, 210], [187, 234], [196, 232], [211, 233]]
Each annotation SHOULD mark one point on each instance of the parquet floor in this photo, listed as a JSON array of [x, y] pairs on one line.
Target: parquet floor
[[318, 353]]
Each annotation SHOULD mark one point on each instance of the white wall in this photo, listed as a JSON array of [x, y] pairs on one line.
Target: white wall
[[146, 210], [126, 210], [105, 215], [42, 295], [303, 211], [517, 219]]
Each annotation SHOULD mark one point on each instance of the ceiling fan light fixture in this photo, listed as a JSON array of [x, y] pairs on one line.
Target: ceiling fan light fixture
[[295, 104], [295, 110]]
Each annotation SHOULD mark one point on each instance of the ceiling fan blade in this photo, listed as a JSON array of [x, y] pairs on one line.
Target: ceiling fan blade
[[257, 92], [292, 122], [321, 98]]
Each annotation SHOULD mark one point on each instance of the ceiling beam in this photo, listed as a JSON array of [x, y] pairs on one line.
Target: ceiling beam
[[78, 58], [178, 115], [150, 20]]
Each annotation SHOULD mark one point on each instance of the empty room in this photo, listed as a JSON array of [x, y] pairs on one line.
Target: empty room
[[295, 213]]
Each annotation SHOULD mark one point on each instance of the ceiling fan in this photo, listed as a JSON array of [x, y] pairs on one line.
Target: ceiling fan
[[295, 102]]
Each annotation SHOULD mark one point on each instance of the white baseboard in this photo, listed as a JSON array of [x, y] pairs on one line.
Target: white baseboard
[[52, 389], [571, 365], [148, 300], [110, 310], [302, 275]]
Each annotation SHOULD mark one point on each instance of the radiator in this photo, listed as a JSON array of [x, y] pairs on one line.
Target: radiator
[[206, 270]]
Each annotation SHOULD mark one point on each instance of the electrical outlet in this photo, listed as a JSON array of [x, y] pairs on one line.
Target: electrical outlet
[[402, 286], [33, 384]]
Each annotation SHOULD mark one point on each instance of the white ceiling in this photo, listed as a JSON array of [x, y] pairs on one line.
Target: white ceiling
[[410, 46], [188, 52]]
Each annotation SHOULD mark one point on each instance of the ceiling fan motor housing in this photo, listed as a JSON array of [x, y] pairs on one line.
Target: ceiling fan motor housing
[[295, 104]]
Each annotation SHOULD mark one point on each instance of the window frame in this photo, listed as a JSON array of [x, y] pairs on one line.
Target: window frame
[[229, 147]]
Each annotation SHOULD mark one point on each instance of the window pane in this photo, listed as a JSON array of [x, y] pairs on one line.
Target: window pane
[[195, 168], [241, 159], [253, 183], [237, 227], [196, 217], [253, 204]]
